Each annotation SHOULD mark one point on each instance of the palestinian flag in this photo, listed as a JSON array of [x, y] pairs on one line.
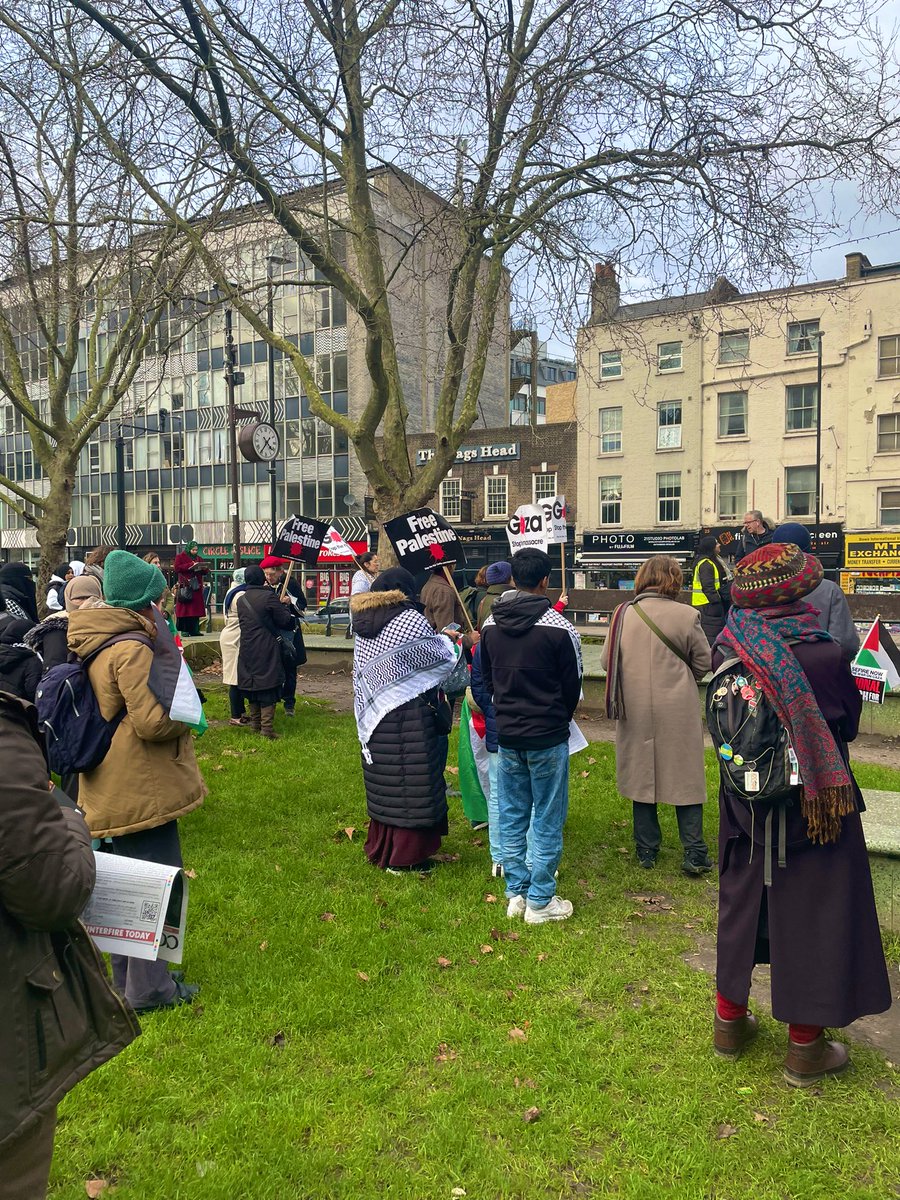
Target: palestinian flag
[[473, 765], [171, 681], [878, 651]]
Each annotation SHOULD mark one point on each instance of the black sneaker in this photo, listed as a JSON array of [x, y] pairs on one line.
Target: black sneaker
[[697, 864], [647, 858]]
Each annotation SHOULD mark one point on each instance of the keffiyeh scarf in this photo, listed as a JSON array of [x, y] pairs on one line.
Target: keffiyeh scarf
[[405, 660]]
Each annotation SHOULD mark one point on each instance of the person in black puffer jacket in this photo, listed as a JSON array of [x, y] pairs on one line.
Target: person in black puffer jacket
[[403, 720], [20, 667]]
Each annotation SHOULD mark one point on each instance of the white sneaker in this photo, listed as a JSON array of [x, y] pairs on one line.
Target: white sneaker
[[496, 870], [556, 910], [516, 907]]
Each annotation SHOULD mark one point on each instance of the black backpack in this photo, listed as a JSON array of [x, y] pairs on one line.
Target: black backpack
[[757, 764], [76, 734]]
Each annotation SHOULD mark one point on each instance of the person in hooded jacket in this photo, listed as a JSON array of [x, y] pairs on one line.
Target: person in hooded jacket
[[829, 602], [17, 592], [531, 665], [57, 586], [149, 777], [711, 587], [251, 656], [190, 605], [59, 1019], [399, 667], [20, 665]]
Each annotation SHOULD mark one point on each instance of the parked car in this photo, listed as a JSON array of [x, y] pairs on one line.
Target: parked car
[[335, 611]]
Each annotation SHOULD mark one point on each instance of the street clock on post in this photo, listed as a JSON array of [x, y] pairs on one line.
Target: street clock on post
[[259, 442]]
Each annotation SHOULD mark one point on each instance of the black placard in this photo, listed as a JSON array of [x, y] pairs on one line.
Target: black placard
[[300, 539], [423, 540]]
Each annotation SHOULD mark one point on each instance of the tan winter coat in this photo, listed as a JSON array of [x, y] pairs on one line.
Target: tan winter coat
[[150, 775], [659, 744]]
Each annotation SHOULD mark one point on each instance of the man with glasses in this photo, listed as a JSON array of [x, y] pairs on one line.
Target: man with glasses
[[756, 532]]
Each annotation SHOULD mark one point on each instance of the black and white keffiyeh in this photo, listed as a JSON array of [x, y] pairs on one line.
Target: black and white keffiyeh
[[405, 660]]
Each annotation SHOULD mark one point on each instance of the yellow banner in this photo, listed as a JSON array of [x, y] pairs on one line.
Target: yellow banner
[[864, 550]]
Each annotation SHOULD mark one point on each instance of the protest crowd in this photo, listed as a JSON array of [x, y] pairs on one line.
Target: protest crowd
[[795, 889]]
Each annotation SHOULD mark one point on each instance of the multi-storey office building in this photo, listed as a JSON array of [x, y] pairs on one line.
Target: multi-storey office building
[[176, 450], [695, 408]]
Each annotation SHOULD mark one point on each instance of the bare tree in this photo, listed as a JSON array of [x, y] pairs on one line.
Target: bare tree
[[86, 277], [680, 139]]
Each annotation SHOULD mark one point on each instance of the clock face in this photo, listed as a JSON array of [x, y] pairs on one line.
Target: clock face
[[266, 442]]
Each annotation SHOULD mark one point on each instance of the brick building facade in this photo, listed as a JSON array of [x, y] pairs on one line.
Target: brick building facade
[[496, 471]]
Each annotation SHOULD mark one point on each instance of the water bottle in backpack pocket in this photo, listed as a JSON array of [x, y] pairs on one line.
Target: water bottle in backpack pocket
[[77, 736], [757, 763]]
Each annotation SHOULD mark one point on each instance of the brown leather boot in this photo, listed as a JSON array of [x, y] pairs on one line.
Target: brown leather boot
[[267, 715], [731, 1037], [809, 1064], [255, 717]]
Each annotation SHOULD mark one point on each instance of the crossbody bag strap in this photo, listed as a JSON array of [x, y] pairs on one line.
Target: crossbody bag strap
[[654, 628]]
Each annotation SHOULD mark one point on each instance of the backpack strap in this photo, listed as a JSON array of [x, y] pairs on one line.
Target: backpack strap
[[119, 637], [654, 628]]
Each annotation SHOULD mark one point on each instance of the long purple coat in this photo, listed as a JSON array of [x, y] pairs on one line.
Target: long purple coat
[[817, 923]]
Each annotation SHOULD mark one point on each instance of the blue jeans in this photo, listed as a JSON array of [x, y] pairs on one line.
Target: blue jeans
[[493, 807], [533, 786]]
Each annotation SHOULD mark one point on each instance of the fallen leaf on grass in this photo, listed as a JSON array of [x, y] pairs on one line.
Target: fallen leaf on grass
[[486, 949], [277, 868], [363, 976], [452, 770], [725, 1131], [443, 963], [526, 1083], [217, 767], [585, 774], [277, 1040], [530, 1115], [477, 842], [446, 858], [623, 849], [760, 1118], [591, 761], [381, 902], [511, 935], [263, 945], [327, 917], [231, 753], [490, 899], [96, 1187], [349, 830], [474, 961], [517, 1035], [457, 1191], [191, 873], [542, 957], [445, 1054]]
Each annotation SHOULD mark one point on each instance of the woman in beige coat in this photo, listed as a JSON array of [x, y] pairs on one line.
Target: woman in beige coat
[[653, 656]]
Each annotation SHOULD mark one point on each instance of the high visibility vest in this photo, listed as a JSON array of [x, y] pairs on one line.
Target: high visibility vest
[[698, 596]]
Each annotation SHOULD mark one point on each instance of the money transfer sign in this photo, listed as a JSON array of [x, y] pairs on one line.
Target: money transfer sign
[[300, 539], [423, 540]]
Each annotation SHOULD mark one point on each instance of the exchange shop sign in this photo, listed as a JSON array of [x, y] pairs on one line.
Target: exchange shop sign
[[423, 540], [866, 550]]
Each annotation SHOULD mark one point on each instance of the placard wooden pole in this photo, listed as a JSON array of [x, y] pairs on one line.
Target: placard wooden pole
[[448, 575], [562, 559], [287, 577]]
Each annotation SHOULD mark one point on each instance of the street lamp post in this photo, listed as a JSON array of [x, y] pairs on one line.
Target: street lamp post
[[232, 438], [120, 489], [272, 260], [818, 432]]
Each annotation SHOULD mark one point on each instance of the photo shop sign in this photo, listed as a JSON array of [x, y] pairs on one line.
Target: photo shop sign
[[423, 540], [300, 539]]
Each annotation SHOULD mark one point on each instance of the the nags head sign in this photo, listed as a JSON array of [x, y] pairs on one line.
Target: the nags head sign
[[423, 540], [488, 452]]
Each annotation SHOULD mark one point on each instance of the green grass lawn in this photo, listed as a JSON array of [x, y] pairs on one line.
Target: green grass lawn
[[363, 1035]]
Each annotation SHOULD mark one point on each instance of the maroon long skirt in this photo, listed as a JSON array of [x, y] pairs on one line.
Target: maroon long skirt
[[389, 846]]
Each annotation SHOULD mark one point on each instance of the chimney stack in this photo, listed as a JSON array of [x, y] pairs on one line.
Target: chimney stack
[[857, 265], [604, 293]]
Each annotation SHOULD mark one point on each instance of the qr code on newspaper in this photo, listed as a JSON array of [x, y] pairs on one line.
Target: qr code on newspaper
[[149, 910]]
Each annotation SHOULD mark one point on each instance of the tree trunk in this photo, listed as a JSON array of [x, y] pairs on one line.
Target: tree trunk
[[53, 528]]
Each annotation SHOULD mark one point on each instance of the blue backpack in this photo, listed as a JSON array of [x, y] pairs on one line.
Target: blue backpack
[[76, 734]]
